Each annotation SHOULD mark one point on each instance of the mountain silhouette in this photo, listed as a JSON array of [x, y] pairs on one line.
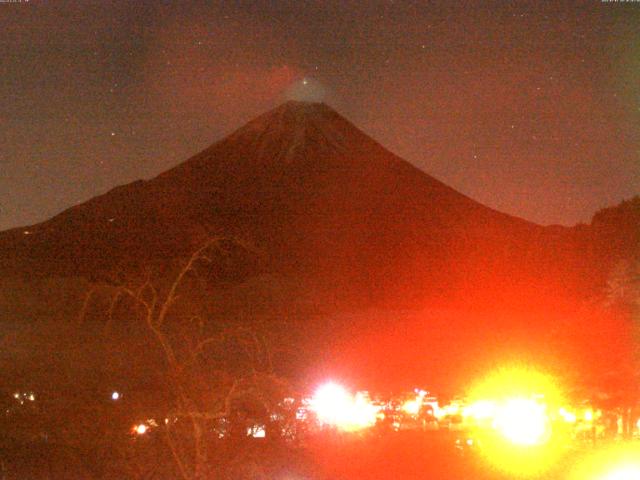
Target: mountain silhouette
[[321, 201], [366, 267]]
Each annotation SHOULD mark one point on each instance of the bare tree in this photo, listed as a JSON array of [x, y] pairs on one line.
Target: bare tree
[[200, 384], [219, 378]]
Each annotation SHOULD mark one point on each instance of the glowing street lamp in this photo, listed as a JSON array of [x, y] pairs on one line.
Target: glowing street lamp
[[140, 429]]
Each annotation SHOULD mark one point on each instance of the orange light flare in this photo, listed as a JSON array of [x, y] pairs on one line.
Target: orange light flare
[[523, 422], [333, 405], [512, 411], [481, 411], [610, 462]]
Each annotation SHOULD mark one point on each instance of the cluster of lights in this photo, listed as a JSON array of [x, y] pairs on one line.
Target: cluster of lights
[[513, 418], [23, 397], [522, 443], [333, 405], [481, 411], [140, 429], [519, 420], [143, 427], [413, 406], [515, 415]]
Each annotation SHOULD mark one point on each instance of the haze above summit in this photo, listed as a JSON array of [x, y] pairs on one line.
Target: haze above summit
[[510, 105]]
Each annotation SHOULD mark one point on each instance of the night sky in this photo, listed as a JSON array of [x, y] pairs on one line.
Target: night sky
[[530, 108]]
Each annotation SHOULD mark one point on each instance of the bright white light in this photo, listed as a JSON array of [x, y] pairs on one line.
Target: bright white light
[[257, 432], [568, 416], [140, 429], [115, 396], [363, 413], [412, 407], [522, 421], [481, 410], [624, 473], [333, 405]]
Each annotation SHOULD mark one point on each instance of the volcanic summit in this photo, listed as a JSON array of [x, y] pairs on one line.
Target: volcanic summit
[[321, 201]]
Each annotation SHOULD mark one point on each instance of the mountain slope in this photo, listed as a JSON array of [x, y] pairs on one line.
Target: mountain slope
[[322, 202]]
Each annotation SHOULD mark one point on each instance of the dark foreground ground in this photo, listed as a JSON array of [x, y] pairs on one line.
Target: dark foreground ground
[[392, 456], [415, 455]]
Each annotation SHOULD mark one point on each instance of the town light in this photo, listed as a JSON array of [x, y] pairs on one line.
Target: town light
[[140, 429], [511, 408], [481, 411], [331, 404], [412, 407], [523, 422], [335, 406], [567, 416]]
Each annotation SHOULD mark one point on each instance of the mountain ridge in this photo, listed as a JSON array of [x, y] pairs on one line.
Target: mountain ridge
[[322, 200]]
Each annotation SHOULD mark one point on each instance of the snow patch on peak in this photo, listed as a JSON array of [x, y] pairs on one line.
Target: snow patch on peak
[[295, 127]]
